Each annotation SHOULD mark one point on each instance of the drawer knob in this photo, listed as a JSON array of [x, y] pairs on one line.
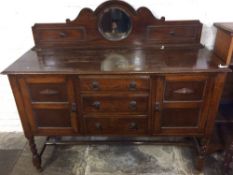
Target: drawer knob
[[172, 33], [96, 104], [95, 85], [133, 105], [62, 34], [133, 125], [98, 126], [132, 86]]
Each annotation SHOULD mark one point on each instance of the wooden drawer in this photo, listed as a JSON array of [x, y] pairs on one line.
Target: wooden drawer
[[133, 104], [111, 83], [59, 34], [171, 34], [48, 92], [47, 88], [187, 89], [116, 126]]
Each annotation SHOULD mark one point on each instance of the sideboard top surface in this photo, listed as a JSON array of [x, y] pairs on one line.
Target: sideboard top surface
[[116, 61]]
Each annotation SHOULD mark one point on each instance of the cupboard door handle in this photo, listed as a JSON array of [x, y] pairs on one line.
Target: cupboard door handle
[[96, 104], [98, 126], [49, 92], [74, 117], [73, 107], [184, 91], [157, 107], [133, 125], [133, 105], [132, 86], [95, 85]]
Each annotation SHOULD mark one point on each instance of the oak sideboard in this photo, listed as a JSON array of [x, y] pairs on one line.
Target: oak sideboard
[[117, 71]]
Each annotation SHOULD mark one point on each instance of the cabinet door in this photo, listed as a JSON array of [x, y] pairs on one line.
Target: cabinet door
[[50, 104], [180, 104]]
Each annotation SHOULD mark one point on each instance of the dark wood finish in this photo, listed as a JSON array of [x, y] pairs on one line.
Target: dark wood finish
[[184, 90], [116, 126], [115, 103], [48, 112], [62, 34], [20, 105], [172, 34], [181, 113], [109, 83], [158, 81], [48, 92], [105, 62], [147, 31], [36, 159]]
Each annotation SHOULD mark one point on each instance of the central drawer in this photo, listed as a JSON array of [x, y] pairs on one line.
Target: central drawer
[[115, 103], [114, 83], [116, 126]]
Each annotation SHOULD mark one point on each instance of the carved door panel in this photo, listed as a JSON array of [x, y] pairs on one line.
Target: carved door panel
[[180, 104], [50, 103]]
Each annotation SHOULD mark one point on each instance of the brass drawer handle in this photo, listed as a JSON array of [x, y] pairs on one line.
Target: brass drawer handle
[[98, 126], [62, 34], [132, 86], [133, 105], [172, 33], [95, 85], [96, 104], [133, 125]]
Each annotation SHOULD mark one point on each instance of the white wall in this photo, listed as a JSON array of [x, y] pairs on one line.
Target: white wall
[[17, 17]]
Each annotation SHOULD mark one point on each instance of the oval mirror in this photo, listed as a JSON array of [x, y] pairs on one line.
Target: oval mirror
[[115, 24]]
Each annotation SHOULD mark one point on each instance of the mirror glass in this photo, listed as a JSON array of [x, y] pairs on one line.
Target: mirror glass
[[115, 24]]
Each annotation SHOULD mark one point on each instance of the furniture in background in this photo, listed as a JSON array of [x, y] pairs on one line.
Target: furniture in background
[[224, 42], [117, 71], [224, 49]]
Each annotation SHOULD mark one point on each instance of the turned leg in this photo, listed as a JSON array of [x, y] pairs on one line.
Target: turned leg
[[36, 159], [228, 158], [202, 151]]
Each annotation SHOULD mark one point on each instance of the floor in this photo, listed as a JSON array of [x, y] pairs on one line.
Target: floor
[[15, 159]]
